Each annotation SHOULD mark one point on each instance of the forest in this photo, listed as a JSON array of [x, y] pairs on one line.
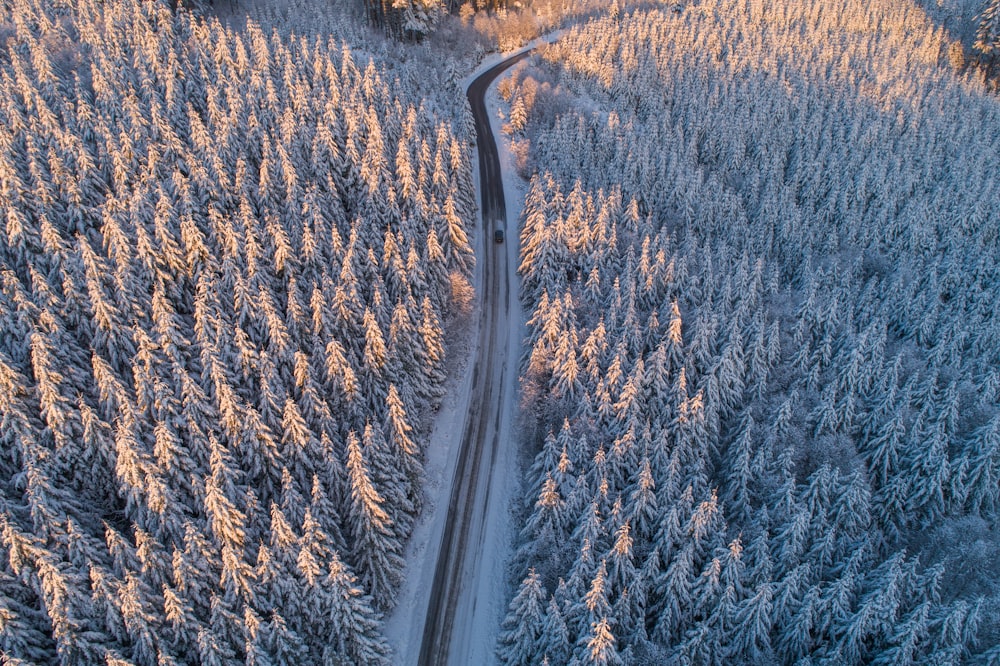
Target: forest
[[760, 388], [760, 256], [226, 260]]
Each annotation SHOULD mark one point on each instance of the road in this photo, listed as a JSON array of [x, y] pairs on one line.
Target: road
[[459, 556]]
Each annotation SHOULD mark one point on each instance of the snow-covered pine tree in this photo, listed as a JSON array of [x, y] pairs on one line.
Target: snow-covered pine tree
[[987, 42], [518, 643]]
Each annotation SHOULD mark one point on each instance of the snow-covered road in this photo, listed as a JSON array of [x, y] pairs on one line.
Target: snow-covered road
[[452, 602], [461, 611]]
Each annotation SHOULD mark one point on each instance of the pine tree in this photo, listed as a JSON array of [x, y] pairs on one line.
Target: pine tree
[[982, 472], [457, 249], [355, 627], [988, 33], [674, 587], [554, 643], [622, 571], [522, 628], [930, 471], [544, 525], [643, 501], [753, 621], [388, 476], [407, 451], [599, 648], [376, 551], [596, 602]]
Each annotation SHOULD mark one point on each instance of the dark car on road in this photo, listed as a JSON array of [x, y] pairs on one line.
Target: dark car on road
[[498, 235]]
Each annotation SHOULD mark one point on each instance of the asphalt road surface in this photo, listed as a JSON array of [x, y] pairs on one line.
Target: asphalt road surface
[[461, 541]]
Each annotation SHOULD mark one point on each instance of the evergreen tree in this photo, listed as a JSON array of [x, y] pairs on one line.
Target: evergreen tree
[[988, 33], [376, 551], [521, 632], [554, 643], [600, 647], [354, 637]]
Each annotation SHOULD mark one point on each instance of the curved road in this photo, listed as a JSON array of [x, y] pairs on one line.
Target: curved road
[[459, 552]]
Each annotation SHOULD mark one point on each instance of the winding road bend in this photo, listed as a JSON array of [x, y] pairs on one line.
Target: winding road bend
[[461, 543]]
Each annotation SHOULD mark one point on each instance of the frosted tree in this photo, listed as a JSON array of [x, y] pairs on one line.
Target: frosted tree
[[546, 520], [376, 551], [643, 501], [400, 440], [522, 628], [988, 34], [554, 642], [600, 647], [419, 16], [753, 621], [355, 635], [981, 468]]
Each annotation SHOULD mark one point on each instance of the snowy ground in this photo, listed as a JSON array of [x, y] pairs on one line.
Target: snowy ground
[[483, 600]]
